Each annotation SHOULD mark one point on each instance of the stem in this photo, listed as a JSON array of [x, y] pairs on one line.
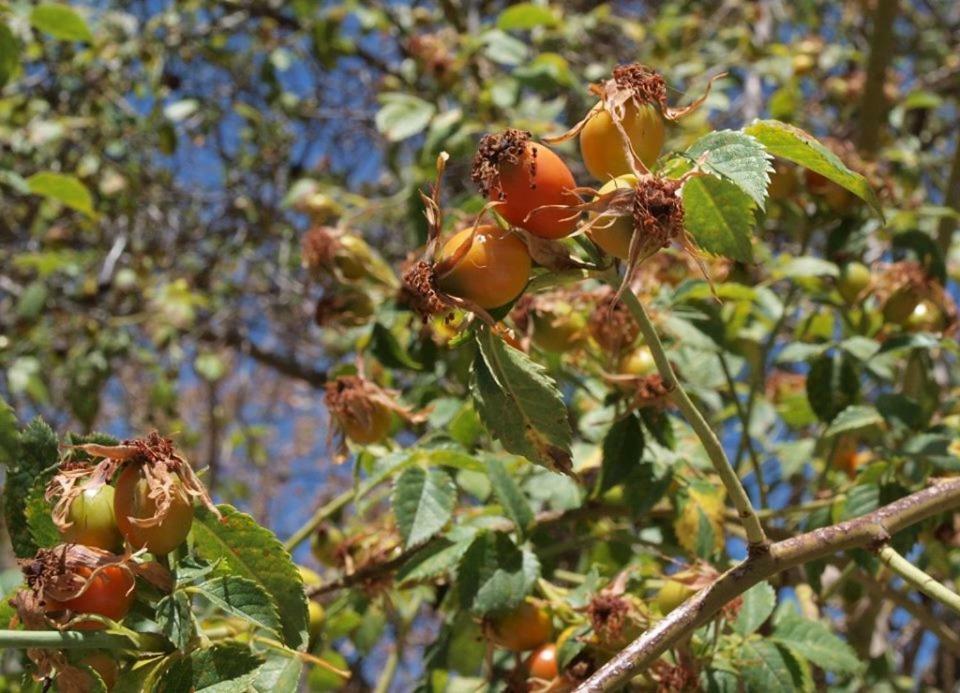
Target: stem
[[951, 198], [871, 530], [323, 512], [74, 640], [756, 539], [745, 423], [919, 579], [389, 672], [873, 106]]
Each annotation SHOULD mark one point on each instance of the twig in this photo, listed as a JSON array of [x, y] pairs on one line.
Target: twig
[[873, 529], [756, 539], [873, 106], [919, 579]]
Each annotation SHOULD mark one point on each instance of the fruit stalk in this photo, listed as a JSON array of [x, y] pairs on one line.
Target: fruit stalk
[[756, 538], [919, 579]]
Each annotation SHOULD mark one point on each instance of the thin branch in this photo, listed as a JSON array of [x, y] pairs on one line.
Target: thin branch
[[868, 531], [756, 539], [951, 199], [873, 106], [919, 579]]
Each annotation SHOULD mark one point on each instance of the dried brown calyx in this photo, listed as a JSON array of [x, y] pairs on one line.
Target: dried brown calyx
[[611, 325], [357, 406], [319, 247], [494, 150], [166, 472], [657, 216], [645, 84]]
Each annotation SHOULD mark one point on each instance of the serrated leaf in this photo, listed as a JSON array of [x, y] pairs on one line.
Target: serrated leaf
[[520, 405], [737, 158], [765, 668], [719, 216], [176, 620], [9, 435], [139, 676], [437, 558], [243, 598], [758, 603], [9, 55], [807, 266], [36, 452], [525, 15], [861, 499], [278, 673], [61, 22], [494, 574], [403, 115], [222, 668], [813, 640], [423, 502], [253, 552], [622, 448], [68, 190], [793, 144], [856, 417], [509, 494], [38, 513], [832, 385]]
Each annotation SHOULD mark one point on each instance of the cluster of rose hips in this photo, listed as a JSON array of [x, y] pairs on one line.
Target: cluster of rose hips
[[111, 504]]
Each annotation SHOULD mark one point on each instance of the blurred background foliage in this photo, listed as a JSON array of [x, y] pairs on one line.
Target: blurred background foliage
[[161, 162]]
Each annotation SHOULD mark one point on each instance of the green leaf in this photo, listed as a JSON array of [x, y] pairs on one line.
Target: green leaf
[[736, 158], [243, 598], [9, 436], [36, 452], [758, 603], [525, 15], [504, 49], [854, 418], [67, 190], [250, 551], [176, 620], [766, 668], [622, 448], [832, 385], [9, 55], [403, 115], [279, 673], [61, 22], [494, 574], [807, 266], [719, 216], [435, 559], [861, 499], [509, 494], [224, 668], [389, 352], [423, 501], [38, 513], [520, 405], [814, 641], [793, 144]]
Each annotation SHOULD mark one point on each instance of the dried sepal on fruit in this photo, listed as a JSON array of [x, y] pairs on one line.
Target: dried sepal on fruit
[[555, 321], [645, 390], [624, 132], [527, 183], [616, 616], [479, 268], [362, 411], [68, 581], [336, 252], [611, 325]]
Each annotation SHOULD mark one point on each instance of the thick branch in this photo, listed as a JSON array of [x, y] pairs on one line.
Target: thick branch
[[869, 531], [756, 539], [951, 199], [873, 106]]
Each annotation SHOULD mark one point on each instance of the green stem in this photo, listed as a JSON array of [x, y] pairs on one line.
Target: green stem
[[919, 579], [75, 640], [745, 423], [386, 677], [323, 513], [756, 538]]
